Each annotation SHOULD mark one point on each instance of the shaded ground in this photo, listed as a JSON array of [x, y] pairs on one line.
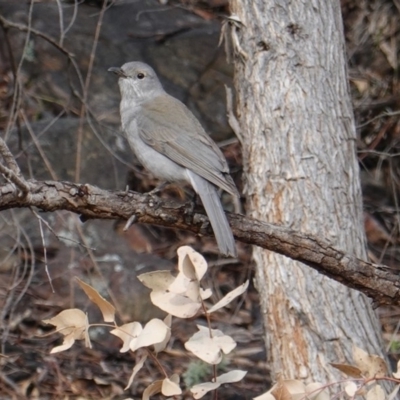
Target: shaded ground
[[99, 252]]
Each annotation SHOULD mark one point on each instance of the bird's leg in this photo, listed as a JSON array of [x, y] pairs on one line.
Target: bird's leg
[[191, 204]]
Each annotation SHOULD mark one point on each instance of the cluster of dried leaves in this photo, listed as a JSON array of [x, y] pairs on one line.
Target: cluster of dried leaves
[[362, 382], [181, 296]]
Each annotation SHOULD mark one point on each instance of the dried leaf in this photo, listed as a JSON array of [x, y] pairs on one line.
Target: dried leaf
[[235, 375], [371, 365], [170, 293], [351, 389], [157, 280], [68, 321], [205, 293], [170, 388], [376, 393], [349, 370], [187, 287], [229, 297], [191, 263], [153, 388], [107, 309], [127, 333], [265, 396], [201, 389], [280, 392], [317, 391], [293, 387], [176, 304], [158, 347], [209, 349], [155, 331], [71, 323], [135, 370], [67, 343]]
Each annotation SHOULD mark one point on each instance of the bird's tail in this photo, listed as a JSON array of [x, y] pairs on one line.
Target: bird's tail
[[212, 204]]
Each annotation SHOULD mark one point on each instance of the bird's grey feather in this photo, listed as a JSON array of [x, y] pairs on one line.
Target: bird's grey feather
[[170, 128], [216, 215]]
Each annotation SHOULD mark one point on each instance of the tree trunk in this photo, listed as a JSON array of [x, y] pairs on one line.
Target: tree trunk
[[301, 171]]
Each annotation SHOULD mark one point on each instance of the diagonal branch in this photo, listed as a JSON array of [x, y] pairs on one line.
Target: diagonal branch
[[379, 282]]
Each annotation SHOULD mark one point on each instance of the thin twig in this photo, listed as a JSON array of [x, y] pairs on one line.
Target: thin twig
[[61, 18], [9, 158], [86, 92], [17, 88], [8, 24], [12, 171], [46, 265], [39, 147]]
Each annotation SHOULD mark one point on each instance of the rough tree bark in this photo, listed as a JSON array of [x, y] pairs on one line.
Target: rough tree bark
[[301, 171]]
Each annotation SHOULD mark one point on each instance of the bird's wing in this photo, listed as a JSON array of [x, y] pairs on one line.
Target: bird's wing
[[169, 127]]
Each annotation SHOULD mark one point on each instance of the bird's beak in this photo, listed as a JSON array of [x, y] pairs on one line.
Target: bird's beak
[[117, 71]]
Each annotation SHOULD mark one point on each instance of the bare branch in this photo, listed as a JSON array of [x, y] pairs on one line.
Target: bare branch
[[379, 282]]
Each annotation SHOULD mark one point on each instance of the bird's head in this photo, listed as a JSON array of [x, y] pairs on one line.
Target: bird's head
[[137, 81]]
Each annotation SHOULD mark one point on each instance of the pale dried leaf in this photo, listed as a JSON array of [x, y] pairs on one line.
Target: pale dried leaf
[[158, 347], [153, 388], [229, 297], [177, 296], [280, 392], [371, 365], [295, 388], [205, 293], [168, 320], [181, 284], [350, 389], [107, 309], [184, 286], [317, 391], [265, 396], [155, 331], [202, 389], [157, 280], [178, 305], [67, 343], [225, 342], [73, 324], [235, 375], [397, 373], [135, 370], [393, 394], [376, 393], [191, 263], [127, 333], [361, 84], [349, 370], [68, 321], [209, 349], [170, 388]]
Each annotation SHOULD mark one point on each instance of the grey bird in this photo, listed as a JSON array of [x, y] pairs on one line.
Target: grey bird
[[170, 143]]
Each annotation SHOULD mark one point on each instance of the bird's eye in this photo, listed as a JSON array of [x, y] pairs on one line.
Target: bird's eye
[[140, 75]]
